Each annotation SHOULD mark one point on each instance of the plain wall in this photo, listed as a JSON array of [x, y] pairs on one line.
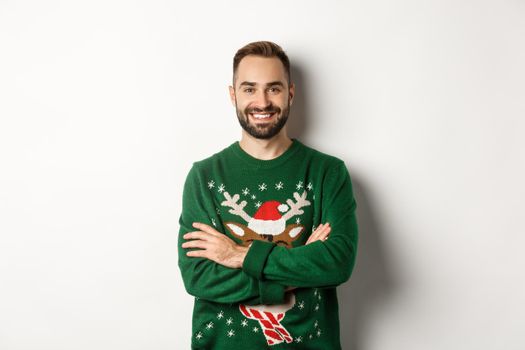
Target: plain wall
[[104, 105]]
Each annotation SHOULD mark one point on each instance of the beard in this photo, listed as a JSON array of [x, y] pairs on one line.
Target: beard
[[266, 130]]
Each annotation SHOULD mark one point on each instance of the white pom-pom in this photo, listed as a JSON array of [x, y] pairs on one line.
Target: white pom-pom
[[282, 208]]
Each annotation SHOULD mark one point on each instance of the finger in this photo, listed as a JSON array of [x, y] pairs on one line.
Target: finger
[[318, 229], [198, 253], [196, 243], [325, 234], [315, 234], [320, 233], [206, 228], [198, 235], [326, 231]]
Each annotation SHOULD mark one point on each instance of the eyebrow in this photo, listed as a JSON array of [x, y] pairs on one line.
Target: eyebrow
[[273, 83]]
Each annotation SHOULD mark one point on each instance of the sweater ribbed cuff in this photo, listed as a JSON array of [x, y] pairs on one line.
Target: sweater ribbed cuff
[[256, 257], [271, 292]]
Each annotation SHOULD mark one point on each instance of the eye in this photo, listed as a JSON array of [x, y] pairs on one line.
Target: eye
[[274, 90], [248, 90]]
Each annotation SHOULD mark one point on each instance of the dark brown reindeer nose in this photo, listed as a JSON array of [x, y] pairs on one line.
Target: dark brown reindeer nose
[[269, 238]]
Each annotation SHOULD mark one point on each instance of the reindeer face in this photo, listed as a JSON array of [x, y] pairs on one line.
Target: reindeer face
[[278, 233], [247, 235]]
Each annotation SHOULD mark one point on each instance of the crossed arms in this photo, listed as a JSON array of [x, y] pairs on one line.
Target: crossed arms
[[222, 271]]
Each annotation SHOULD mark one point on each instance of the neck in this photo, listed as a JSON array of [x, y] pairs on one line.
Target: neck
[[265, 149]]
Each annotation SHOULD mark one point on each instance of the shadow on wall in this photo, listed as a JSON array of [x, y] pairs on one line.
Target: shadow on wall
[[372, 281], [297, 123]]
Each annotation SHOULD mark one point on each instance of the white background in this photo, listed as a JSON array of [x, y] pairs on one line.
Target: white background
[[104, 105]]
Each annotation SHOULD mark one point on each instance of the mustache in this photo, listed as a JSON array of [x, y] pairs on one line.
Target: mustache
[[269, 109]]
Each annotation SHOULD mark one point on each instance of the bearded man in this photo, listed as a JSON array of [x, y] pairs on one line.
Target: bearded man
[[268, 227]]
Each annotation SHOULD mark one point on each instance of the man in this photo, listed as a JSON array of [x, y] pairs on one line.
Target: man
[[268, 226]]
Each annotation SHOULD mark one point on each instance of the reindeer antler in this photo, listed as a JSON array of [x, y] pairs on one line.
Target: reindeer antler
[[295, 208], [237, 209]]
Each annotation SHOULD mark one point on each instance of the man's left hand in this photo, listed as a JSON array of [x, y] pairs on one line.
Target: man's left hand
[[214, 246]]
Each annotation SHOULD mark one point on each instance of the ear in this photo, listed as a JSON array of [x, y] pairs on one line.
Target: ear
[[235, 228], [291, 92], [296, 231], [232, 95]]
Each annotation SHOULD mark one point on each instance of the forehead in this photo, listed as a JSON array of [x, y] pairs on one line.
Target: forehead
[[260, 70]]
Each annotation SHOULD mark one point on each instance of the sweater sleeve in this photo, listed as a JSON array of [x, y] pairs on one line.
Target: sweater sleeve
[[206, 279], [320, 264]]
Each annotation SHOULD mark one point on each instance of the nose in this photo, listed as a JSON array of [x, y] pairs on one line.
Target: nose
[[262, 100]]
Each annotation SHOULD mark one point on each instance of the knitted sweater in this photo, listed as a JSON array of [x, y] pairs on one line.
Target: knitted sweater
[[272, 206]]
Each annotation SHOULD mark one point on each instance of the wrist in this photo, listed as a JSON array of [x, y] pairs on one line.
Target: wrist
[[241, 254]]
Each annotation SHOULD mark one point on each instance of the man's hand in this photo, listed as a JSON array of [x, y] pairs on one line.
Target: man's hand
[[214, 246], [320, 234]]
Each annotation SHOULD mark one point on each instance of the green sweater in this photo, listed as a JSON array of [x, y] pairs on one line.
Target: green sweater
[[272, 206]]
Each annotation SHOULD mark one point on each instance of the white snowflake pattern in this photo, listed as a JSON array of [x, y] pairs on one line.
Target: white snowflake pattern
[[255, 329], [231, 333], [313, 197], [209, 325], [218, 211], [244, 323], [316, 307], [299, 185], [315, 291], [319, 296], [310, 336], [313, 228], [213, 222], [220, 315], [263, 187], [316, 323], [211, 184], [253, 196], [297, 220], [279, 186], [221, 188], [258, 204], [301, 305], [229, 321], [310, 186], [198, 335], [299, 339], [319, 333], [246, 191]]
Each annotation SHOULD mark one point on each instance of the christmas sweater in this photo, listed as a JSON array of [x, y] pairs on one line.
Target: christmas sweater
[[272, 207]]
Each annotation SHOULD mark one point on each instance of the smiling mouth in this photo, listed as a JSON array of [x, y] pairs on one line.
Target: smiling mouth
[[262, 116]]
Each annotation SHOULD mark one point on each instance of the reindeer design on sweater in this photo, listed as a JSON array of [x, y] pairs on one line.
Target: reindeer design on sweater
[[268, 224]]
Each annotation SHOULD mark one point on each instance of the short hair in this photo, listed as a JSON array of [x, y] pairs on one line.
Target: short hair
[[263, 49]]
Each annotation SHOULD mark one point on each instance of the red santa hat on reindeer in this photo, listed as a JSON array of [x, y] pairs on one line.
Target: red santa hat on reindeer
[[268, 219]]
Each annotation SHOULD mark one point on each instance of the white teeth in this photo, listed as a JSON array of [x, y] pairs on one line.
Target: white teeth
[[261, 116]]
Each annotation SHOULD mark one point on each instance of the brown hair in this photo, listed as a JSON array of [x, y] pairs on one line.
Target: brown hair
[[264, 49]]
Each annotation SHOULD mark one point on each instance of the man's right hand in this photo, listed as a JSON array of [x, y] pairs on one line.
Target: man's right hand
[[320, 234]]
